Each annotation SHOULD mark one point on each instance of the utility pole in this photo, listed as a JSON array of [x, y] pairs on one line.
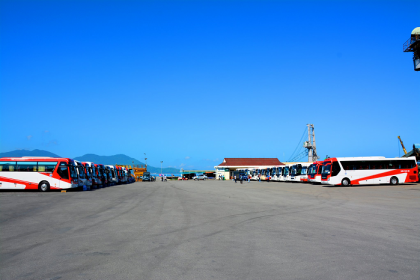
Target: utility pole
[[161, 167]]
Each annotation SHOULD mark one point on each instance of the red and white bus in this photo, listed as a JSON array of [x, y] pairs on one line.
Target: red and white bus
[[369, 170], [42, 173], [314, 172]]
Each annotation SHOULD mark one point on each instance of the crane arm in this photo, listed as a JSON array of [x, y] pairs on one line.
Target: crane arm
[[405, 151]]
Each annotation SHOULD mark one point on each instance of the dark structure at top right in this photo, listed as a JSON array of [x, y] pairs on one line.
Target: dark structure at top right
[[413, 45]]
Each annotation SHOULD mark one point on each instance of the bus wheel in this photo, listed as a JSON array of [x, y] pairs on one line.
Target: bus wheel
[[44, 186], [345, 182], [394, 181]]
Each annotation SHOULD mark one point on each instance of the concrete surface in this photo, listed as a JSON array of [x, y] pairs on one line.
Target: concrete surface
[[212, 230]]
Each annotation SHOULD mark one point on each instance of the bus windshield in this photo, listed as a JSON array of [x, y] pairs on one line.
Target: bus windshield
[[286, 171], [293, 170], [303, 172], [87, 171], [73, 172], [81, 172], [326, 169], [312, 169]]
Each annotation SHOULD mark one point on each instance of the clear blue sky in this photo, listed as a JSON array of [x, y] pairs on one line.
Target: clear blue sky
[[192, 82]]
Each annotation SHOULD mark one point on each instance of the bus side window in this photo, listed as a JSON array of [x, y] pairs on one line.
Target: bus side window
[[7, 166], [26, 166], [46, 166]]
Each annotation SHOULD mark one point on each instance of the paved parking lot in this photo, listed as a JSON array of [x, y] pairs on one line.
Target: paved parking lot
[[212, 230]]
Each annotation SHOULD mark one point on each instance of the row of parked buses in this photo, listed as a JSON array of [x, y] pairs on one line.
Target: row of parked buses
[[47, 173], [343, 171]]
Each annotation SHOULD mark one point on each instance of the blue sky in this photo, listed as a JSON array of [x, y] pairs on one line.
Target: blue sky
[[192, 82]]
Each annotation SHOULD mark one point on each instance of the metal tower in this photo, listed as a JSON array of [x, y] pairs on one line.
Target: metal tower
[[310, 144], [413, 45]]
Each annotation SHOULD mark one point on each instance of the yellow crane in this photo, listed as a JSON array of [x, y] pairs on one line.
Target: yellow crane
[[405, 151]]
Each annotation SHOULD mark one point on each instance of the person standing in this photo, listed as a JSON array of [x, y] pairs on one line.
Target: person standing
[[234, 178]]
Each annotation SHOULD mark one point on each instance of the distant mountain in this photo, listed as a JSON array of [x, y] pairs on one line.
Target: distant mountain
[[27, 153], [112, 160]]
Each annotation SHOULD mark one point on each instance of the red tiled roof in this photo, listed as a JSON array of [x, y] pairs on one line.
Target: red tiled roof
[[250, 162]]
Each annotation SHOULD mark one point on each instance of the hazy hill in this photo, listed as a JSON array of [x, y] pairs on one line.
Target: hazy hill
[[116, 159], [27, 153]]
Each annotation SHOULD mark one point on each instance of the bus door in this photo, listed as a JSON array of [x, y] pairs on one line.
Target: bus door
[[64, 174]]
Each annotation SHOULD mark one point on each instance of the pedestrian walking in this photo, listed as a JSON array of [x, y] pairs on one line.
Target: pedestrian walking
[[242, 179], [249, 178], [234, 178], [259, 177]]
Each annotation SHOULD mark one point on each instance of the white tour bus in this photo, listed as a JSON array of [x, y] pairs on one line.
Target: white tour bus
[[369, 170], [113, 173], [288, 174], [299, 171], [37, 173], [305, 171]]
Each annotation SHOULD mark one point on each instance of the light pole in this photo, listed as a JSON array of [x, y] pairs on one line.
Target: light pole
[[145, 158], [161, 167]]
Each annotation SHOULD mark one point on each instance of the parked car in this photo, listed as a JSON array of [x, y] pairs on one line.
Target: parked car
[[146, 177], [200, 177]]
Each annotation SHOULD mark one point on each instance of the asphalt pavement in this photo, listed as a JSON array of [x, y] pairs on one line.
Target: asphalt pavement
[[212, 230]]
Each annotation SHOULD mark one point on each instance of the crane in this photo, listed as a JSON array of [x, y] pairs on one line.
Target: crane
[[405, 151]]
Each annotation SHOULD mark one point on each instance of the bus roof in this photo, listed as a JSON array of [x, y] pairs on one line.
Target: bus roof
[[34, 159], [371, 158], [358, 158]]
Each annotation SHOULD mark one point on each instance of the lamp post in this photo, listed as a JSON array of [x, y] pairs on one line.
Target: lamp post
[[145, 158], [161, 167]]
